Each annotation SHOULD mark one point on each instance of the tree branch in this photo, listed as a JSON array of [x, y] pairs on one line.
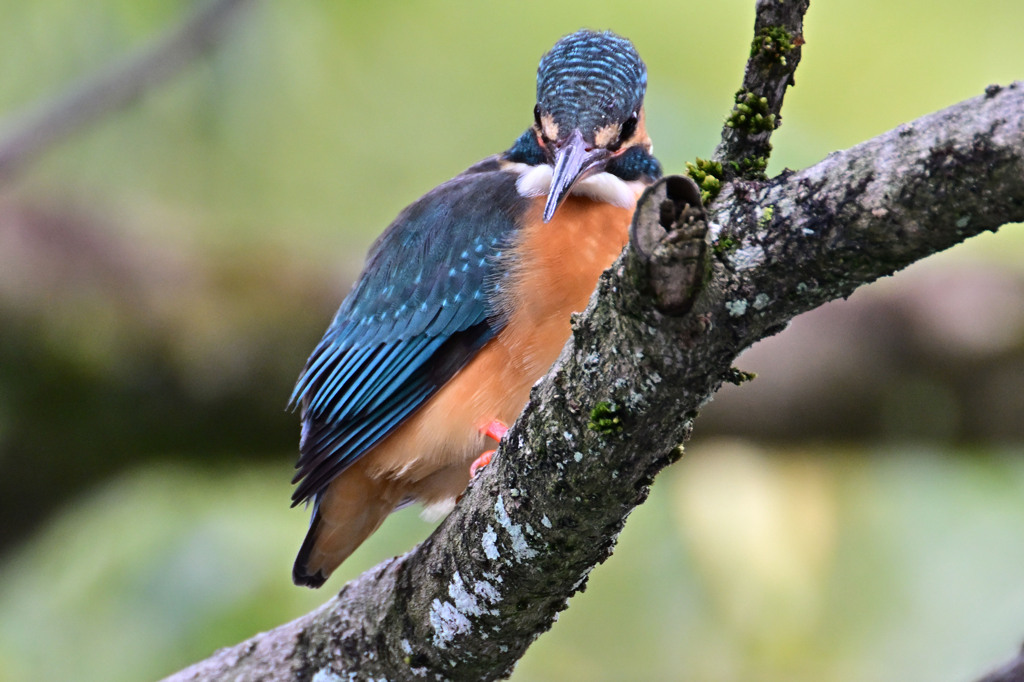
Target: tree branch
[[746, 137], [1011, 671], [774, 55], [468, 601], [45, 125]]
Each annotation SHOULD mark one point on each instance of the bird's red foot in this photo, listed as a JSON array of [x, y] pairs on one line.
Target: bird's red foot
[[495, 430], [480, 462]]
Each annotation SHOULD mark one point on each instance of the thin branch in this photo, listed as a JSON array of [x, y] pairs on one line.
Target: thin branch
[[1011, 671], [45, 125], [609, 416], [774, 55]]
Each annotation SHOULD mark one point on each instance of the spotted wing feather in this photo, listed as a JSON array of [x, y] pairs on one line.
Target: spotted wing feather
[[418, 313]]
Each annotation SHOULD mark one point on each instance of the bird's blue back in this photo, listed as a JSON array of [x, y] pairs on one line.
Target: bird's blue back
[[422, 307]]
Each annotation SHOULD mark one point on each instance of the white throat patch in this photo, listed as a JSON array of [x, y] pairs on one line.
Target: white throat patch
[[535, 181]]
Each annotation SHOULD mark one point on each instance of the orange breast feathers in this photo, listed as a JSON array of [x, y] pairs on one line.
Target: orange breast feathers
[[554, 268]]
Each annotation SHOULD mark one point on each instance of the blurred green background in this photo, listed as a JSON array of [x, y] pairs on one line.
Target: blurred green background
[[857, 513]]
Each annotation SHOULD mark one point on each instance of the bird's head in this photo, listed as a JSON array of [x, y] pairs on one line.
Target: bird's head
[[590, 94]]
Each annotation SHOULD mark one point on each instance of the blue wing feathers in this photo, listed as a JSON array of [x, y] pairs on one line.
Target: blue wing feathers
[[417, 314], [315, 366], [378, 364], [411, 361], [392, 375], [338, 445], [336, 376], [330, 446]]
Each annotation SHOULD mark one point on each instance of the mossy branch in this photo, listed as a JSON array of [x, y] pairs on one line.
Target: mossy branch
[[774, 55]]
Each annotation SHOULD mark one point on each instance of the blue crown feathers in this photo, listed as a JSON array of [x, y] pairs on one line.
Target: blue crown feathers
[[590, 79]]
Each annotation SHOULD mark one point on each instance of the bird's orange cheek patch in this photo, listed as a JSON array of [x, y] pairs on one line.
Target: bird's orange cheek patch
[[607, 135], [549, 127]]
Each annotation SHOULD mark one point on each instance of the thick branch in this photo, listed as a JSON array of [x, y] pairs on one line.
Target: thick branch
[[467, 602], [114, 88]]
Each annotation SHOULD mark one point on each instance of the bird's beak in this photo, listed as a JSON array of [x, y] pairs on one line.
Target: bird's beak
[[575, 159]]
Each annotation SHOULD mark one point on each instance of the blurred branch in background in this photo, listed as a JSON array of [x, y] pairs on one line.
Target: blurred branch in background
[[1011, 671], [933, 355], [47, 124], [131, 389], [117, 351]]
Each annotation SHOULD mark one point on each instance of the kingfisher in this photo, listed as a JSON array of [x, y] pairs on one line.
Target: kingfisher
[[464, 303]]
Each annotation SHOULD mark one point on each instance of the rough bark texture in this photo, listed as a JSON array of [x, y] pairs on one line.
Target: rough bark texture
[[611, 414]]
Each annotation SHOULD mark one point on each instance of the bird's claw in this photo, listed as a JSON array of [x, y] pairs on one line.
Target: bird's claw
[[480, 462], [495, 430]]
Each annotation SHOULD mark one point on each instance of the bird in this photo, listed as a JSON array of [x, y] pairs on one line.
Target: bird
[[465, 301]]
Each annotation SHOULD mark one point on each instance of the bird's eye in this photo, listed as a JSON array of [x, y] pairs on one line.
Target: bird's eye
[[629, 127], [536, 115]]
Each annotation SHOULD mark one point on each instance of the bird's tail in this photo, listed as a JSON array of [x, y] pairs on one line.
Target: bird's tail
[[346, 513]]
